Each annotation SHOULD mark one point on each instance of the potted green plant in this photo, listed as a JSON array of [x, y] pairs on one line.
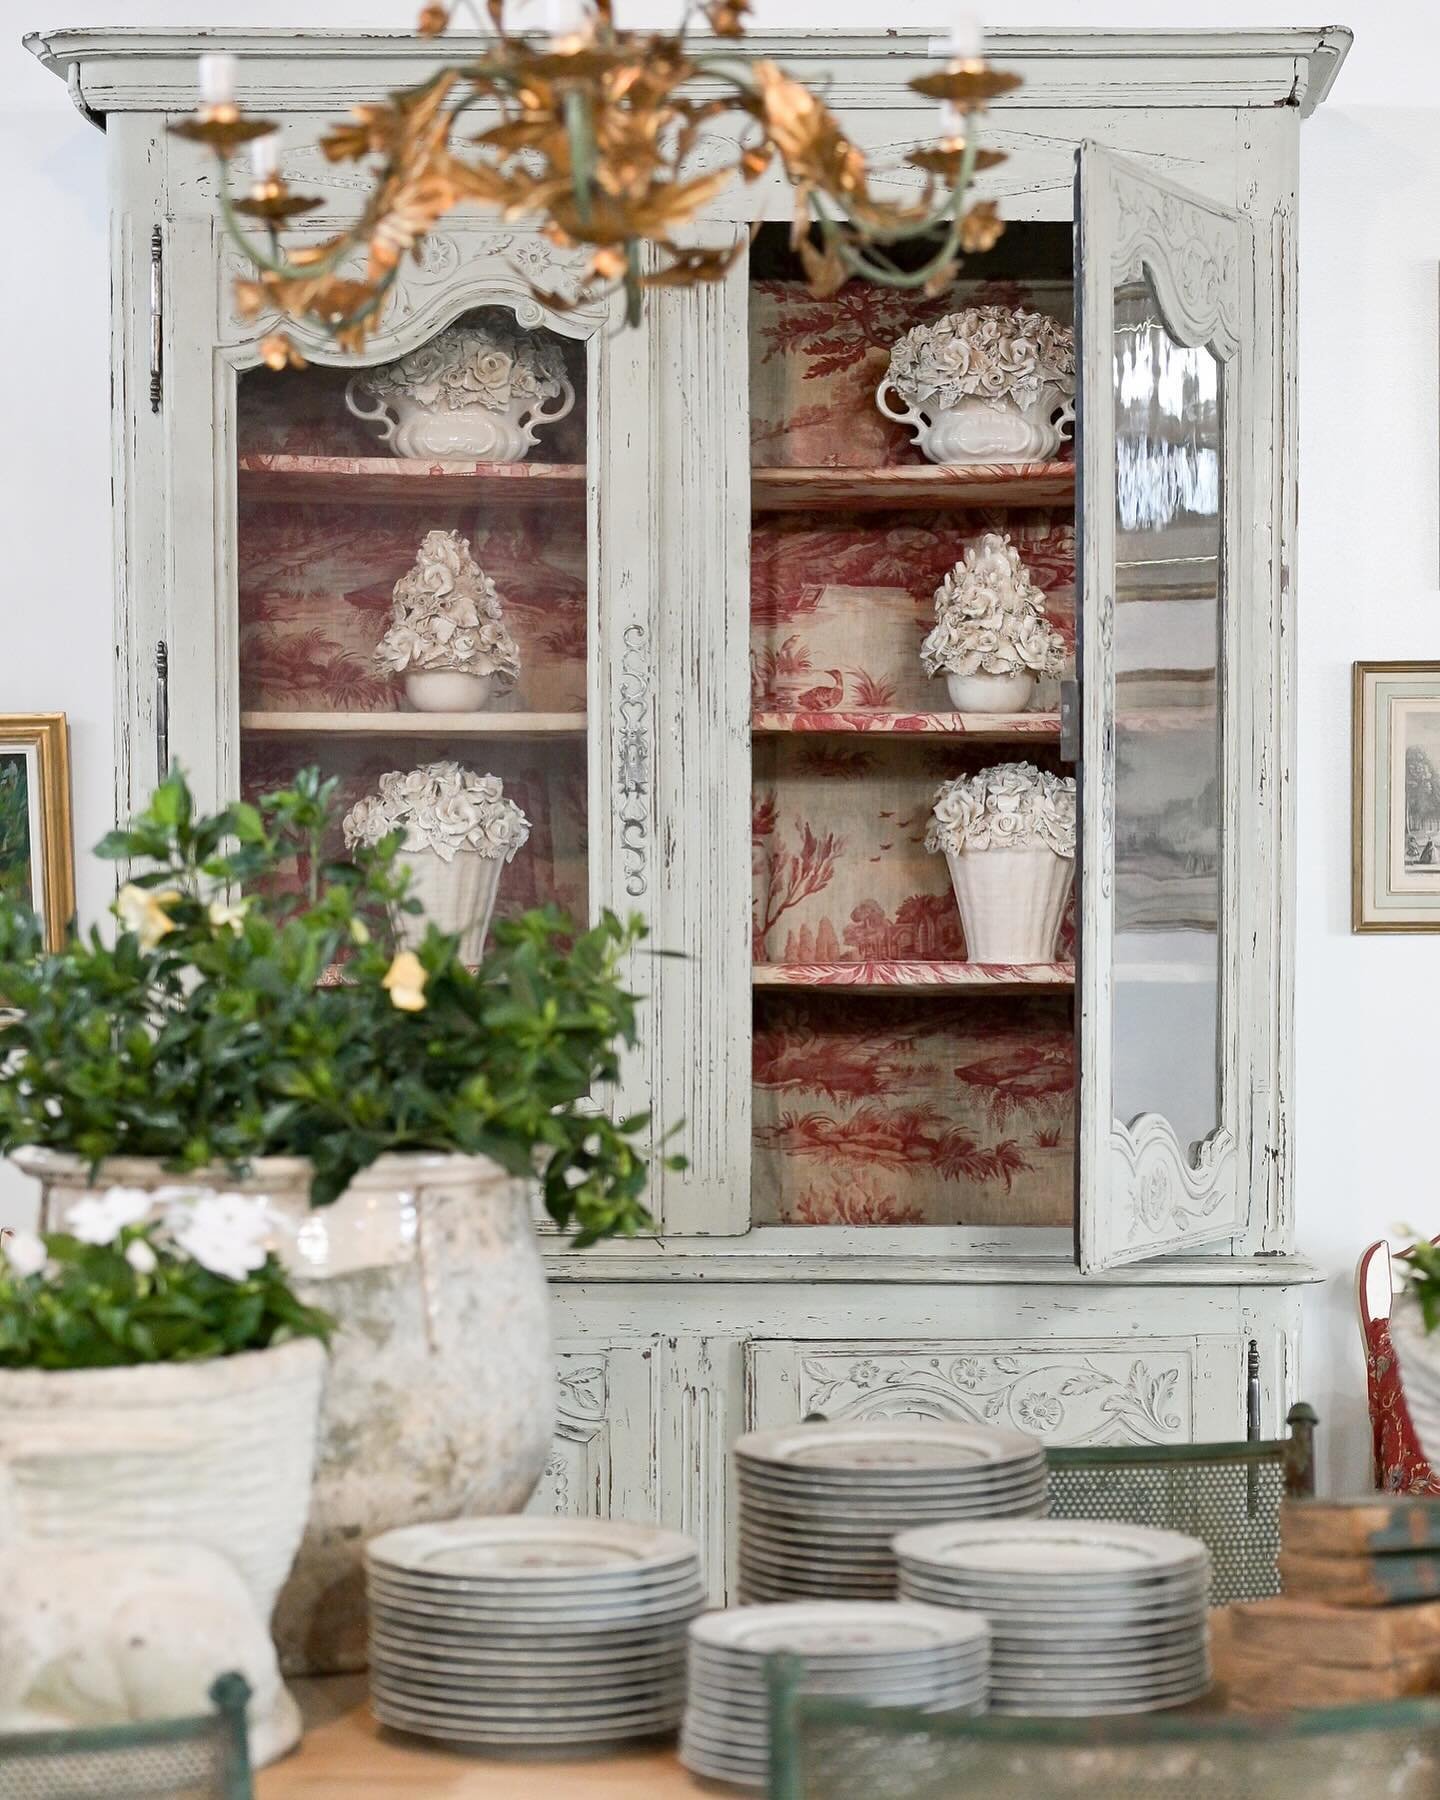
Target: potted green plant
[[253, 1025], [1415, 1338], [160, 1389]]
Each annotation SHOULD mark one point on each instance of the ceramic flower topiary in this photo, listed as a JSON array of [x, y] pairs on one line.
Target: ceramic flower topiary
[[991, 637]]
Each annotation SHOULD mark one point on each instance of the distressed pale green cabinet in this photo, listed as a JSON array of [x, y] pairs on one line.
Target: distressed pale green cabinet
[[1166, 1308]]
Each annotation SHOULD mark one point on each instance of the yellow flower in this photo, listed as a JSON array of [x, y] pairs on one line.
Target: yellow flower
[[359, 932], [406, 981], [142, 911], [223, 915]]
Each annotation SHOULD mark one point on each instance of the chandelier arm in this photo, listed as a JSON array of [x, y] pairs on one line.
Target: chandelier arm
[[580, 130], [280, 265]]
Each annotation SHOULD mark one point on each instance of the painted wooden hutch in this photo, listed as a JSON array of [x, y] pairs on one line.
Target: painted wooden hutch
[[1057, 1196]]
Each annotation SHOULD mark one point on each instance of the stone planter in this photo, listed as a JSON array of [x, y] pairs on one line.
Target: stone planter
[[1418, 1352], [440, 1396], [151, 1515], [1011, 902]]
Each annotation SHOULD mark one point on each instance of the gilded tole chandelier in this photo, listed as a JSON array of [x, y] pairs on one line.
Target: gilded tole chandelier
[[596, 135]]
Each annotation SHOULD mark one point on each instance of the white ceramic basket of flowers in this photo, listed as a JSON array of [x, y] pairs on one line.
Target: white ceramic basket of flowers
[[476, 393], [1008, 835], [989, 384], [460, 831], [991, 638], [447, 636]]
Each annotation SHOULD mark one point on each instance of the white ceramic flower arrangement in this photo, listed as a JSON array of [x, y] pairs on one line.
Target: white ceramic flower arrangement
[[447, 636], [1008, 834], [989, 384], [460, 831], [475, 393], [991, 638]]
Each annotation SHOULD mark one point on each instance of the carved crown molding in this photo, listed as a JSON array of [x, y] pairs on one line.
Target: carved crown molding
[[1191, 254]]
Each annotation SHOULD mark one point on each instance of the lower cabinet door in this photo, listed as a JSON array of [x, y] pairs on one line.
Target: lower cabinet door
[[601, 1463], [1146, 1391]]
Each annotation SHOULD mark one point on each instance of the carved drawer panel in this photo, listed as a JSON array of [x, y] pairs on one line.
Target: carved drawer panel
[[1145, 1391], [601, 1463]]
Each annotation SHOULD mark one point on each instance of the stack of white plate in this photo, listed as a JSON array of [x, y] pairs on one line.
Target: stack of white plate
[[524, 1635], [820, 1503], [883, 1654], [1084, 1617]]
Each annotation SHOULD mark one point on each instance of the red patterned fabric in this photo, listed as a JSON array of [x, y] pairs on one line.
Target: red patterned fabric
[[1397, 1464]]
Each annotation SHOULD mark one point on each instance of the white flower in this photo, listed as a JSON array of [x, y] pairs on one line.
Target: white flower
[[225, 1233], [436, 616], [473, 365], [995, 352], [141, 1258], [25, 1253], [405, 981], [101, 1220], [990, 617], [440, 807], [142, 911], [1011, 806], [227, 917]]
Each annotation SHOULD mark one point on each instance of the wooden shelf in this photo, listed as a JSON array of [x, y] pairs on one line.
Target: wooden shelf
[[415, 724], [896, 977], [366, 480], [979, 726], [918, 486]]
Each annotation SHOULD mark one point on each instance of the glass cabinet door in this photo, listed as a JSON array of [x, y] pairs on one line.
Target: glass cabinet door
[[1160, 518]]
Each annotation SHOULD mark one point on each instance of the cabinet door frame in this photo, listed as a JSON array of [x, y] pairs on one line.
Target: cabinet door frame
[[1141, 1193]]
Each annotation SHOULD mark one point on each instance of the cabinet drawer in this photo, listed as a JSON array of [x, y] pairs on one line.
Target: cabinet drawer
[[1069, 1391]]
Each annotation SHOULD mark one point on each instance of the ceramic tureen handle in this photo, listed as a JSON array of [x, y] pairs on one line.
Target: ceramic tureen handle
[[538, 415], [379, 415], [916, 421]]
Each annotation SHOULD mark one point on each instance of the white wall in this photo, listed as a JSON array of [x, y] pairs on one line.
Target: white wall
[[1369, 555]]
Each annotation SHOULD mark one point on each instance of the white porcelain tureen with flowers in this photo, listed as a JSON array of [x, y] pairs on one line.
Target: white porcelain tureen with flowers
[[989, 384], [475, 393], [991, 638], [1008, 834], [459, 832], [447, 635]]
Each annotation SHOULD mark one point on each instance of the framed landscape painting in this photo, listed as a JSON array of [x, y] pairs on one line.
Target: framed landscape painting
[[1396, 806], [37, 854]]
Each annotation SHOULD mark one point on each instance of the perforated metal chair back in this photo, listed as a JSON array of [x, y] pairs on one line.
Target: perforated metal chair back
[[1227, 1495], [828, 1749], [203, 1758]]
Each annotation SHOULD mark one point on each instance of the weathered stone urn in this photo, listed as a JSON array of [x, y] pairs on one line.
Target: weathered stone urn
[[439, 1398]]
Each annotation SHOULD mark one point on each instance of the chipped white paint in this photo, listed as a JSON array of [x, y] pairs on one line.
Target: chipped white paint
[[683, 1339]]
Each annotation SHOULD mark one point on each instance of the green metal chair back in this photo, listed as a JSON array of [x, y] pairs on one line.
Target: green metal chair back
[[1227, 1495], [822, 1748], [204, 1758]]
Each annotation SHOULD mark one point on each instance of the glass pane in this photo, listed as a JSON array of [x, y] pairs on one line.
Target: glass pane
[[1168, 555], [343, 542]]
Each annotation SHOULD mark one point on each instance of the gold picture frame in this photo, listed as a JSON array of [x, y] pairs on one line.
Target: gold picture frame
[[1395, 796], [37, 847]]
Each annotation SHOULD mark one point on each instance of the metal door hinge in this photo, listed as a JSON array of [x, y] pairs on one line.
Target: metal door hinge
[[157, 319], [1070, 721], [162, 710]]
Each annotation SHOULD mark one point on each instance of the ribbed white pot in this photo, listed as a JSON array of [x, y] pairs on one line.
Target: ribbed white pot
[[1011, 902], [448, 690], [1418, 1352], [984, 693], [440, 1395], [206, 1461], [458, 895]]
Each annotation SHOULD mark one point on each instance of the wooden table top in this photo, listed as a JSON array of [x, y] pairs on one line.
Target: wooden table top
[[345, 1755]]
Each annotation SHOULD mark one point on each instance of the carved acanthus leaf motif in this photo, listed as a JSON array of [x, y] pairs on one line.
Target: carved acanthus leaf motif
[[1192, 254], [1080, 1396]]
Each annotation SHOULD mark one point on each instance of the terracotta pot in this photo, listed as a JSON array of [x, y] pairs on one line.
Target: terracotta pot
[[982, 693], [1011, 902], [202, 1470], [440, 1397]]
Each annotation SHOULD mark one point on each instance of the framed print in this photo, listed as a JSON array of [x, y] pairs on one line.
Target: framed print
[[37, 853], [1396, 804]]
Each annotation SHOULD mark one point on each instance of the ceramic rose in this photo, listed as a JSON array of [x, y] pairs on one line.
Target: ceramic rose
[[447, 636], [991, 638], [1008, 835], [460, 831], [990, 384], [475, 393]]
